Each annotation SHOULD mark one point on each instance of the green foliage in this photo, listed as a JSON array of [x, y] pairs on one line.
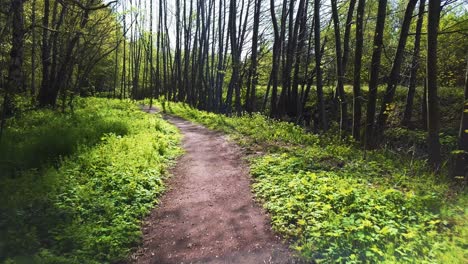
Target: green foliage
[[415, 141], [33, 139], [257, 128], [341, 214], [87, 208], [340, 204]]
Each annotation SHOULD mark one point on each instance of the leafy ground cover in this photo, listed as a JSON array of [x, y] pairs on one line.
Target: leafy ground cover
[[340, 204], [75, 186]]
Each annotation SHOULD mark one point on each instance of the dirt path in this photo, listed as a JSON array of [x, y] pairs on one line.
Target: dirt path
[[208, 215]]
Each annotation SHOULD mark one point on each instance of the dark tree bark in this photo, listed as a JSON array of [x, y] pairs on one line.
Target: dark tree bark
[[318, 67], [234, 85], [297, 105], [116, 61], [178, 55], [289, 97], [407, 115], [395, 71], [15, 78], [308, 77], [220, 67], [374, 74], [123, 85], [298, 35], [57, 70], [253, 78], [433, 115], [357, 112], [339, 70], [276, 58], [187, 45], [347, 34], [33, 51], [45, 49]]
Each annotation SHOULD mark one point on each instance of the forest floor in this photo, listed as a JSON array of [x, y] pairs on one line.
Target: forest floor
[[208, 214]]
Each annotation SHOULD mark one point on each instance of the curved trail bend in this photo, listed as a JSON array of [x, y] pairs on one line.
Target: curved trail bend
[[208, 214]]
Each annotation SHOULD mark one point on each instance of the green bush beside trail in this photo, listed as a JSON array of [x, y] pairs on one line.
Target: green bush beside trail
[[75, 186]]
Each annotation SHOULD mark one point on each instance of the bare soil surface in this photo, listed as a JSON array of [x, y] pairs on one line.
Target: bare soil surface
[[208, 214]]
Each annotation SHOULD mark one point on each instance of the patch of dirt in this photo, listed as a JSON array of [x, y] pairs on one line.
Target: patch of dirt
[[208, 214]]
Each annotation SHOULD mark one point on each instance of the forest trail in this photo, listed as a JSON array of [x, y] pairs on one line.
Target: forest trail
[[208, 214]]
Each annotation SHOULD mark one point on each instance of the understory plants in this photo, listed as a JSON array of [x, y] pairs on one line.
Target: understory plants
[[76, 185]]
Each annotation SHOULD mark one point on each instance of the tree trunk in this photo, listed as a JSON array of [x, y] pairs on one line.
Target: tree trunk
[[302, 37], [433, 116], [15, 78], [235, 56], [414, 67], [424, 106], [339, 70], [347, 34], [33, 51], [220, 68], [276, 57], [357, 112], [252, 82], [45, 49], [395, 71], [318, 67], [374, 74]]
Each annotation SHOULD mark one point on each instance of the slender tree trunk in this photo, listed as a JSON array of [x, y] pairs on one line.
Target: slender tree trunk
[[252, 82], [357, 111], [177, 56], [235, 57], [45, 49], [15, 78], [433, 115], [339, 70], [395, 71], [220, 69], [267, 93], [414, 67], [374, 74], [123, 85], [298, 35], [347, 34], [308, 77], [318, 67], [287, 97], [33, 52], [151, 59], [116, 62], [276, 57], [296, 103]]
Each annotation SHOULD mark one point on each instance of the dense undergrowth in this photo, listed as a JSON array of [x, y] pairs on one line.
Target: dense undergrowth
[[407, 140], [75, 186], [338, 203]]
